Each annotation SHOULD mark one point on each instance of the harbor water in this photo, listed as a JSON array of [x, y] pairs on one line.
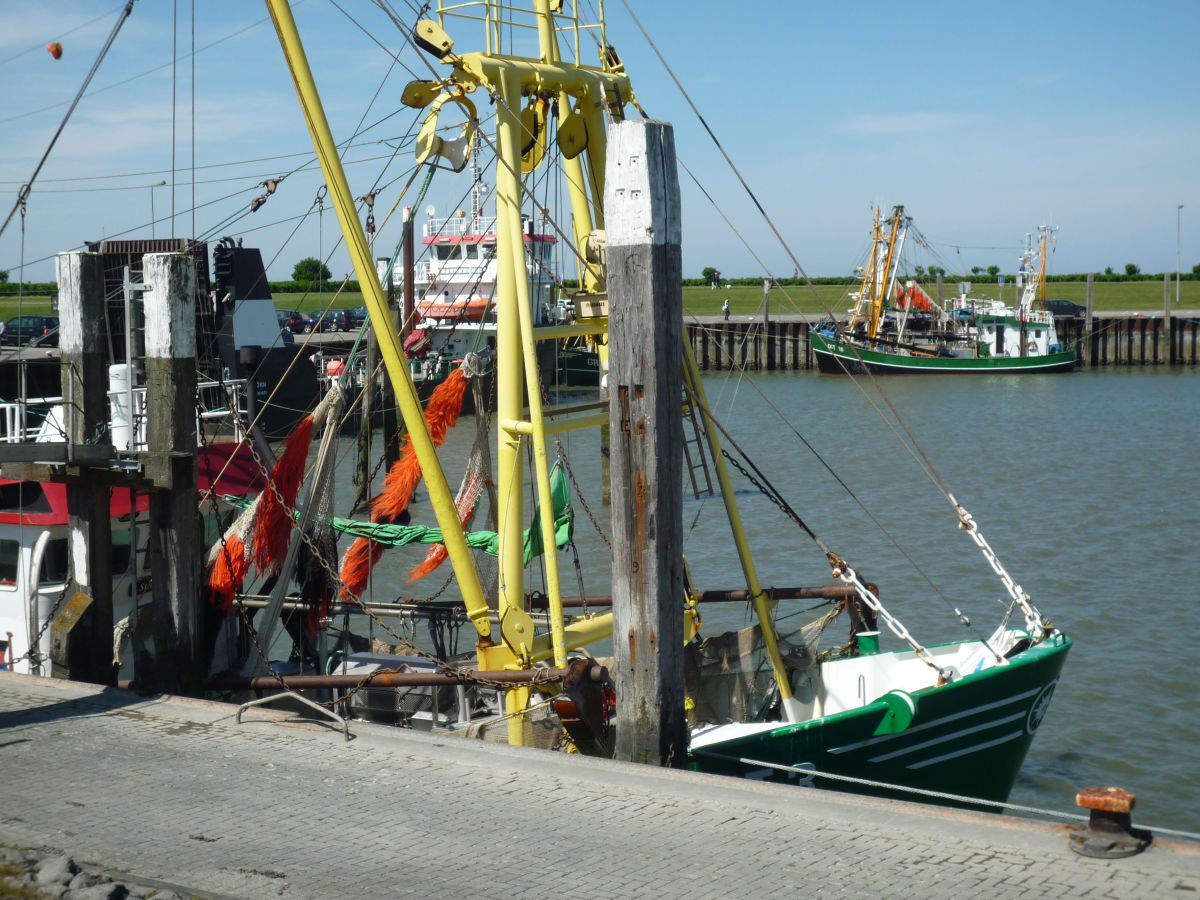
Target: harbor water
[[1085, 485]]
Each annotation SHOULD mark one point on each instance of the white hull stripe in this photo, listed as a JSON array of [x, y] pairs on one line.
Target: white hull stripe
[[936, 723], [1011, 736], [941, 739]]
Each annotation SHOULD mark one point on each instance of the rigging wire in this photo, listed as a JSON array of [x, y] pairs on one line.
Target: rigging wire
[[909, 441], [175, 105], [34, 112], [24, 192], [34, 49]]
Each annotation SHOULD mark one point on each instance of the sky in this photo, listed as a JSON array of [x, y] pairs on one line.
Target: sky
[[986, 120]]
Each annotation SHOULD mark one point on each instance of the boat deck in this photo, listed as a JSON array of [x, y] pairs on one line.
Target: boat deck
[[174, 789]]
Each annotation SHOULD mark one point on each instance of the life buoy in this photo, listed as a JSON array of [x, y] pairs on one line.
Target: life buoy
[[1031, 348]]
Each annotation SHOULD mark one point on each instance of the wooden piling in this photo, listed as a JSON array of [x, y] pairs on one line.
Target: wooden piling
[[1088, 340], [83, 650], [1167, 353], [170, 462], [645, 388]]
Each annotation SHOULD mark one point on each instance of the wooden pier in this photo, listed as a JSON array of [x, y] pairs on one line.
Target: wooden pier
[[781, 344]]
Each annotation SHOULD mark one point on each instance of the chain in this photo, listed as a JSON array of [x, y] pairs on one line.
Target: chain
[[1033, 618], [33, 654], [562, 456], [842, 570], [770, 495], [404, 643]]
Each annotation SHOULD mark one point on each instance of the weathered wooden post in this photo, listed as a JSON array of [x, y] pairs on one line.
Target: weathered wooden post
[[170, 464], [1086, 339], [1169, 356], [645, 382], [83, 650]]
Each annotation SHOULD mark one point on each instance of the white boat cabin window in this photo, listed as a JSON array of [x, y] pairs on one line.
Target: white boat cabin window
[[54, 563], [448, 251], [472, 251], [10, 555]]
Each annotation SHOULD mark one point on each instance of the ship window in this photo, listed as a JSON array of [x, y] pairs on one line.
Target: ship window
[[10, 552], [24, 496], [472, 251], [54, 563], [448, 251], [120, 557]]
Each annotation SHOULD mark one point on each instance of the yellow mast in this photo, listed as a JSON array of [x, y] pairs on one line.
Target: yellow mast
[[520, 414], [1041, 285], [440, 496]]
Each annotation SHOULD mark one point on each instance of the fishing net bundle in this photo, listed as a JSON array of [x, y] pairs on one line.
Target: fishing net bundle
[[728, 676], [441, 414]]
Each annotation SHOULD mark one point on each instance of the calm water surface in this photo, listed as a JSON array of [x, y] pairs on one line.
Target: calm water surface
[[1086, 485]]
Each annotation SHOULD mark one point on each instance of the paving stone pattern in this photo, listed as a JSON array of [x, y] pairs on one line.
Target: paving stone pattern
[[173, 790]]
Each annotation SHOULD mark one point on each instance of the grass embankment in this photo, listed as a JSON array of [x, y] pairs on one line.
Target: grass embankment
[[747, 300]]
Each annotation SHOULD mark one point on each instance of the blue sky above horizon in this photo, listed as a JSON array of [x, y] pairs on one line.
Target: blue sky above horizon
[[985, 120]]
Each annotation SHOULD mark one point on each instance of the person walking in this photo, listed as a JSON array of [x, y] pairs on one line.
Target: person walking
[[725, 308]]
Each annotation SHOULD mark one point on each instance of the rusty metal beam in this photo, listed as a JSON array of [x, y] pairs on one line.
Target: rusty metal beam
[[396, 679]]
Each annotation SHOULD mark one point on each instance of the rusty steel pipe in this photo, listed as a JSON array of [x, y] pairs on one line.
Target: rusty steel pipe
[[824, 592], [397, 679]]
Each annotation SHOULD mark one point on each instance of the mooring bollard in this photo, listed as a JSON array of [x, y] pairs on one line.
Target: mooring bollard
[[1109, 833]]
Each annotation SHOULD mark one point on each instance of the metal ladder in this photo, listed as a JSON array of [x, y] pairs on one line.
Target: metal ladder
[[696, 453]]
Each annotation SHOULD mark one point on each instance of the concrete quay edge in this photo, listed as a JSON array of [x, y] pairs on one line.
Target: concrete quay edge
[[660, 825]]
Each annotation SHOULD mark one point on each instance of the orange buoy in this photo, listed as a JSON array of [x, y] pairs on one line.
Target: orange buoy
[[54, 48]]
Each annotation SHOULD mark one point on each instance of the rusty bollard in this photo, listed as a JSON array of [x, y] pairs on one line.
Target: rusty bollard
[[1110, 833]]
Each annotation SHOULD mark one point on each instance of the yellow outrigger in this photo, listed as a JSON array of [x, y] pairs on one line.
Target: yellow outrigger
[[588, 97]]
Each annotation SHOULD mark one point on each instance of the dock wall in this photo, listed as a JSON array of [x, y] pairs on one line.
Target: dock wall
[[782, 344]]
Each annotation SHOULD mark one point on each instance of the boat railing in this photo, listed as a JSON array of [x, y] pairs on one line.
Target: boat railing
[[24, 421], [514, 30], [40, 420], [457, 225]]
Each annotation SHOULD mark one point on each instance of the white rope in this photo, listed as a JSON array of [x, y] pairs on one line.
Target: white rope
[[939, 795], [848, 575], [1033, 618]]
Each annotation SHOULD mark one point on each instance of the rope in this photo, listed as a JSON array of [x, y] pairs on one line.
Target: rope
[[912, 445], [924, 792], [25, 188]]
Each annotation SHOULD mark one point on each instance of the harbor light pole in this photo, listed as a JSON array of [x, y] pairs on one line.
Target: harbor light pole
[[1178, 222], [157, 184]]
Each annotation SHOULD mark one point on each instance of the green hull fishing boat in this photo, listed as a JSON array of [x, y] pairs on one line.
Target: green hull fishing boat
[[898, 329], [953, 718], [967, 737], [838, 357]]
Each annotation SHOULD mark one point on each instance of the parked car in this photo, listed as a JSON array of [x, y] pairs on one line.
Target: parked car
[[1065, 308], [23, 329], [297, 322], [335, 320], [49, 339], [358, 315]]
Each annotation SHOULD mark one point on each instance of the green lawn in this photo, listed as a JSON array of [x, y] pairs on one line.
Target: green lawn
[[744, 300], [314, 302], [1147, 295]]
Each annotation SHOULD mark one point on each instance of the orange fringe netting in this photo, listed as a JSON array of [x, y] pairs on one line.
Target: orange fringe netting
[[441, 414], [229, 561], [464, 504], [273, 528], [228, 573]]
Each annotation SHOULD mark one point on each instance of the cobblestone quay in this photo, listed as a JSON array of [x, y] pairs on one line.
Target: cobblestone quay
[[173, 792]]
